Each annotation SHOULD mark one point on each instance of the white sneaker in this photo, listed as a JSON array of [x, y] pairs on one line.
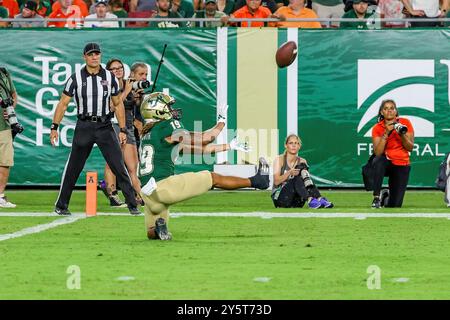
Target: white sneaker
[[149, 187], [4, 203]]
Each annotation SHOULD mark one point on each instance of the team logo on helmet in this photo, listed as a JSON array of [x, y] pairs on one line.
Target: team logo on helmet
[[157, 106]]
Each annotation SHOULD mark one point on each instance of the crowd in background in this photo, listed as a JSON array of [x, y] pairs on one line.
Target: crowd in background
[[86, 13]]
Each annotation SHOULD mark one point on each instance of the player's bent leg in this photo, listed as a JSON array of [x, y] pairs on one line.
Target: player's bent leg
[[259, 181], [150, 222], [229, 182], [181, 187], [156, 225]]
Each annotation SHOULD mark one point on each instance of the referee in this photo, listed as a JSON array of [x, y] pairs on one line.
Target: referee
[[93, 87]]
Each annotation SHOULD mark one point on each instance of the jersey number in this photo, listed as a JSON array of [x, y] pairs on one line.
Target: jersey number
[[175, 124], [146, 166]]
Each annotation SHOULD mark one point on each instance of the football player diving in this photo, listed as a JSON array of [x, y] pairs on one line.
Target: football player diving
[[163, 137]]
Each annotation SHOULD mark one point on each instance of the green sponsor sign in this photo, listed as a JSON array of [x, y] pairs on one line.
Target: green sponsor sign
[[343, 75], [41, 67]]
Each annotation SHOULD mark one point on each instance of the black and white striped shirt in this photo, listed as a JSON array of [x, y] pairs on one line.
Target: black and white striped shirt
[[92, 91]]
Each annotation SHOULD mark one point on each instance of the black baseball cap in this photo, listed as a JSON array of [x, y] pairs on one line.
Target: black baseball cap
[[91, 47], [31, 5]]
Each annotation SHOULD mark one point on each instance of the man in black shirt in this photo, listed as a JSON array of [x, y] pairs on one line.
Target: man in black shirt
[[92, 87]]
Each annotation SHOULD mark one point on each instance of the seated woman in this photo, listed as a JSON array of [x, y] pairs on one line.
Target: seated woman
[[293, 185]]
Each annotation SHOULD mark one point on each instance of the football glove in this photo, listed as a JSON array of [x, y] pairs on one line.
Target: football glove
[[222, 113], [239, 146]]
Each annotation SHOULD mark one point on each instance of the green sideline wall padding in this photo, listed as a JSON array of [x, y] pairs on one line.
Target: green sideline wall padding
[[342, 77]]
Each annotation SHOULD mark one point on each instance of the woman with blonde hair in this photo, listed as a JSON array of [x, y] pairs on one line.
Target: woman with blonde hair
[[293, 186]]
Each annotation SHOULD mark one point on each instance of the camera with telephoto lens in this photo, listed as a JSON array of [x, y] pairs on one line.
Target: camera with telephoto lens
[[400, 128], [143, 84], [7, 104]]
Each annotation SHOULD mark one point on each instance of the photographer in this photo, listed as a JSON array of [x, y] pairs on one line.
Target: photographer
[[131, 93], [293, 185], [8, 121], [392, 138]]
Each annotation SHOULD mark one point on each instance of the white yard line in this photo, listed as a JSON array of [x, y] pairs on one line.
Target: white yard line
[[38, 228], [249, 214], [263, 215]]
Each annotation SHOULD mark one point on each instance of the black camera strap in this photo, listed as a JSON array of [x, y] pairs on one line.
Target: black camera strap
[[3, 84]]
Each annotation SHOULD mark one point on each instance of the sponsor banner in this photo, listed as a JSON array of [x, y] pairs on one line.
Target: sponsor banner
[[41, 68], [343, 75]]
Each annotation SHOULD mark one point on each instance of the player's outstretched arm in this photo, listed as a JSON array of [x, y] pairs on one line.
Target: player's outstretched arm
[[208, 136], [215, 148]]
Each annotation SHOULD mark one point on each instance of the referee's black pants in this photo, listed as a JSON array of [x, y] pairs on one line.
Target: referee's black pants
[[398, 179], [86, 134]]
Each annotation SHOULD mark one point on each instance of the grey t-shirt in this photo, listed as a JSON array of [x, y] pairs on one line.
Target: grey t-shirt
[[23, 24]]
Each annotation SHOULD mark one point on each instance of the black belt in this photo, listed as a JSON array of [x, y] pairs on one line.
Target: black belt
[[82, 117]]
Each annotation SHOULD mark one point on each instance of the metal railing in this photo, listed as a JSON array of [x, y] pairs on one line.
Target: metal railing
[[232, 21]]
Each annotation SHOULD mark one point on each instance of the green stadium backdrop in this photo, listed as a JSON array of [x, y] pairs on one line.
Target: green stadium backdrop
[[330, 95]]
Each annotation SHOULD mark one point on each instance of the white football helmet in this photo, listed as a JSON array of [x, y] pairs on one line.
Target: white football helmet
[[157, 106]]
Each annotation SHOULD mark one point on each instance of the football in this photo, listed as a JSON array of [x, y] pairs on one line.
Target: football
[[286, 54]]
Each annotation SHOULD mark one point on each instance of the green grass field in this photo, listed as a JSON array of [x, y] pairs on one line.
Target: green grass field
[[229, 257]]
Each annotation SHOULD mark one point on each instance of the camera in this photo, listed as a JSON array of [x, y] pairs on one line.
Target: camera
[[143, 84], [304, 173], [7, 104], [400, 128]]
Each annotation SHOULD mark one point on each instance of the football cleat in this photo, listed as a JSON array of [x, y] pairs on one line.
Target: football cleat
[[376, 203], [114, 201], [261, 179], [161, 230], [134, 210], [62, 212]]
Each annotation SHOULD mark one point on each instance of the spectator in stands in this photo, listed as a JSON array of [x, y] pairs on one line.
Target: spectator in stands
[[328, 9], [295, 9], [269, 4], [252, 10], [225, 6], [3, 15], [393, 9], [142, 5], [349, 4], [198, 5], [183, 7], [84, 11], [432, 9], [44, 7], [211, 12], [29, 12], [12, 6], [101, 12], [67, 10], [117, 9], [359, 11], [165, 12]]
